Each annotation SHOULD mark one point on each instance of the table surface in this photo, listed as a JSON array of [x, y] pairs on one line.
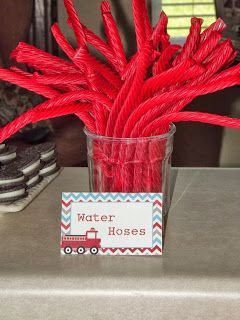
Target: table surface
[[198, 277]]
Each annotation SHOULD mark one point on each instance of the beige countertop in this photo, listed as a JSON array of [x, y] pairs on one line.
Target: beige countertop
[[198, 277]]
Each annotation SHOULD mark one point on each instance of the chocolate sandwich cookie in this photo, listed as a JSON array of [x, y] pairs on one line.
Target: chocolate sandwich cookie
[[2, 146], [28, 162], [47, 151], [49, 168], [12, 193], [33, 179], [8, 154], [9, 175]]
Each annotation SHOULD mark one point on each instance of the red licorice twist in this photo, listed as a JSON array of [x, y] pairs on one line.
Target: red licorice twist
[[113, 35], [126, 98]]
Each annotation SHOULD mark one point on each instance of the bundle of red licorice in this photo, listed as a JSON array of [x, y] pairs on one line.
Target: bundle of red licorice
[[126, 98]]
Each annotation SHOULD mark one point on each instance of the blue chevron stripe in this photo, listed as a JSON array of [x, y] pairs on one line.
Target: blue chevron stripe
[[66, 216], [157, 241], [111, 196], [66, 220], [157, 236]]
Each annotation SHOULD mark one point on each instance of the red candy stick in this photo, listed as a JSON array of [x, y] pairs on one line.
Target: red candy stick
[[113, 35], [66, 47], [218, 25], [165, 60], [169, 77], [40, 60], [77, 27], [154, 112], [193, 117], [35, 115], [117, 105], [99, 110], [81, 39], [141, 99], [160, 30], [212, 67], [178, 106], [192, 41], [99, 45], [220, 50], [176, 95], [157, 35], [106, 88], [223, 76], [132, 100], [82, 55], [69, 97], [55, 79], [207, 46], [71, 53], [21, 72], [62, 42], [133, 96], [147, 22], [224, 54], [27, 83], [102, 47], [41, 113], [139, 22], [63, 99]]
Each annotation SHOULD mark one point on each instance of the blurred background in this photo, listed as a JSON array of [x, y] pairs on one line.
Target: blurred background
[[195, 144]]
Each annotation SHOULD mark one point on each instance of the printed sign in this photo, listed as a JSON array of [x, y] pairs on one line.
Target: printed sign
[[111, 223]]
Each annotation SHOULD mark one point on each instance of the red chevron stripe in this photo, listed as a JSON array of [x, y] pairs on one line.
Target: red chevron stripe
[[157, 225], [156, 248], [132, 250], [66, 204], [157, 202], [65, 226], [106, 249]]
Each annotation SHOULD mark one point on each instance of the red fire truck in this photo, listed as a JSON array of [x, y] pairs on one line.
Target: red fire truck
[[80, 243]]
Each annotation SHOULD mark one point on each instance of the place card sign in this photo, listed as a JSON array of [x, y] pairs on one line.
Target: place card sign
[[111, 223]]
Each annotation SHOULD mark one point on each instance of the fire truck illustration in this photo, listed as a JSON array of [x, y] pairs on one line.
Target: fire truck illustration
[[79, 243]]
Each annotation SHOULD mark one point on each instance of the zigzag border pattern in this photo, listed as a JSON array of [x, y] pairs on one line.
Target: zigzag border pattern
[[155, 198]]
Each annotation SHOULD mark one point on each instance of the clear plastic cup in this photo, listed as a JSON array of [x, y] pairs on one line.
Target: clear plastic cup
[[130, 164]]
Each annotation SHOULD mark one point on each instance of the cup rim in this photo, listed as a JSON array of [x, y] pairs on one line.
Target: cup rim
[[94, 136]]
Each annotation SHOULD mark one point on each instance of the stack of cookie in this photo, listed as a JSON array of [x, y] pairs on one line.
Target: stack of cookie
[[48, 158], [7, 153], [20, 172]]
